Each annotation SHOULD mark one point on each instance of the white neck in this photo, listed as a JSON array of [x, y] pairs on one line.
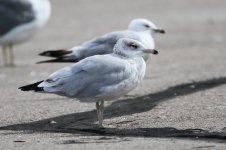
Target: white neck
[[42, 9]]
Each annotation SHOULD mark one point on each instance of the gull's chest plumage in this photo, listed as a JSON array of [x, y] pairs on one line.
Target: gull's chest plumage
[[137, 70], [148, 40], [136, 73]]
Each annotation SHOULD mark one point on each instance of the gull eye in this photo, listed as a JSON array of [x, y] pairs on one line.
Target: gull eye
[[147, 26], [133, 45]]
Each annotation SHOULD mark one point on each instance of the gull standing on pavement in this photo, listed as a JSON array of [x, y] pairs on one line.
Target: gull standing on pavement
[[19, 20], [99, 78], [139, 29]]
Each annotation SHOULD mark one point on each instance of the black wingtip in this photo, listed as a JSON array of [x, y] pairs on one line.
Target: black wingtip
[[55, 53], [32, 87], [59, 60]]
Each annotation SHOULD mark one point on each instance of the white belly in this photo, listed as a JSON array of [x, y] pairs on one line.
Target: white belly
[[19, 34], [147, 40]]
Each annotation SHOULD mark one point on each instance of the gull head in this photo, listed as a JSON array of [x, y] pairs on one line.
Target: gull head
[[131, 48], [144, 25]]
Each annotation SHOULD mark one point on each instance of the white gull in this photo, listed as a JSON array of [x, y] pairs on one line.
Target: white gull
[[99, 78], [138, 29], [19, 21]]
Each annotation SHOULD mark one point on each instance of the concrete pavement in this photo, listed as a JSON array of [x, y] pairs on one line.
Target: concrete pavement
[[180, 105]]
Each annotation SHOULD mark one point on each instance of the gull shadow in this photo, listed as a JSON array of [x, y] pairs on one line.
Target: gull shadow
[[84, 122], [146, 132]]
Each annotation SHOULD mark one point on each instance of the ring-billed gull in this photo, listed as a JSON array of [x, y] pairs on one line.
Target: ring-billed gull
[[19, 20], [138, 29], [99, 78]]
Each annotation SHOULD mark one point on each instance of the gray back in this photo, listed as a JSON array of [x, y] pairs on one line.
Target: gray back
[[14, 13]]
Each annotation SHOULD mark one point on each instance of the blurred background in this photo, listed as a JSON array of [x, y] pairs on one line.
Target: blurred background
[[193, 49], [189, 23], [193, 46]]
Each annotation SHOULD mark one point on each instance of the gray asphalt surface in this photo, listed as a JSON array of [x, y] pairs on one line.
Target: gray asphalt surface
[[180, 105]]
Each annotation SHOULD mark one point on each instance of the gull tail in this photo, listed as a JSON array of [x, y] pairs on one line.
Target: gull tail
[[32, 87], [55, 53], [61, 56], [57, 60]]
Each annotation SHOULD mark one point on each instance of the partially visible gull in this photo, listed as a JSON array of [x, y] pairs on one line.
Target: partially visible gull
[[19, 20], [99, 78], [138, 29]]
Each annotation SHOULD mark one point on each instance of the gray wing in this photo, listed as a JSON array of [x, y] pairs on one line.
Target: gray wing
[[14, 13], [86, 78], [98, 46], [101, 45]]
